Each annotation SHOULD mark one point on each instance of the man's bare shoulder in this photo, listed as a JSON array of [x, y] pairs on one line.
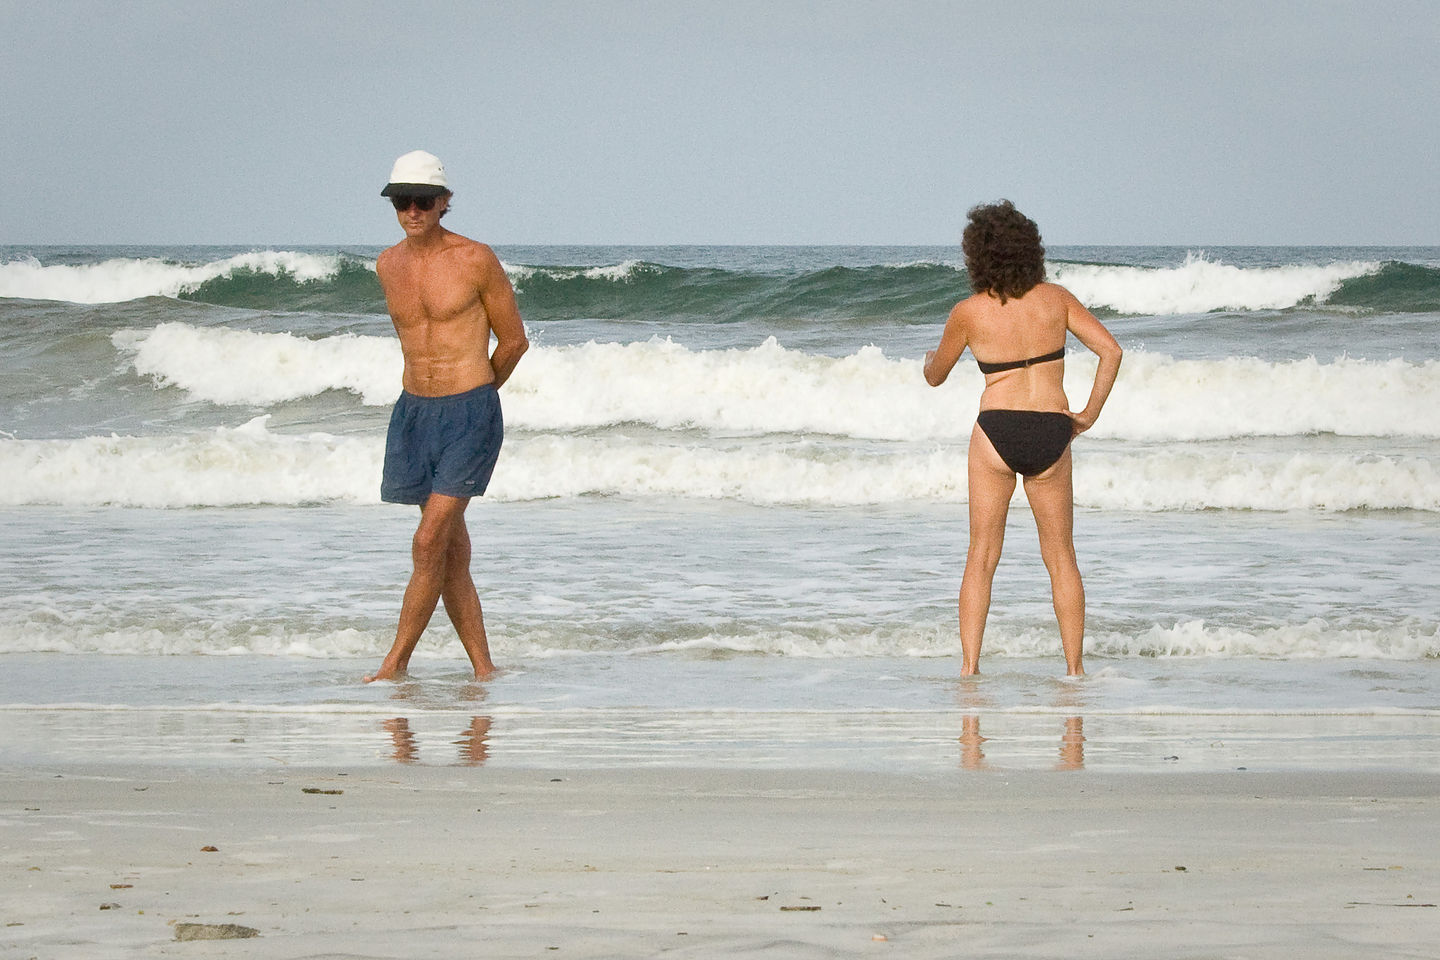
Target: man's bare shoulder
[[390, 260], [477, 257], [462, 246]]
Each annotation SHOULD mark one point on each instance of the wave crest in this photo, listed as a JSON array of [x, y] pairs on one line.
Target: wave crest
[[121, 279], [252, 465], [1200, 285], [916, 292], [44, 631], [773, 389]]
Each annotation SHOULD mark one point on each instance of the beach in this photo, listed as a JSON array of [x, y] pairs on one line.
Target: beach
[[421, 862], [719, 563]]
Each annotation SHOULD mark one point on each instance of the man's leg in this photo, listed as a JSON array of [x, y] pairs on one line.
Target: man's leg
[[440, 518], [462, 603]]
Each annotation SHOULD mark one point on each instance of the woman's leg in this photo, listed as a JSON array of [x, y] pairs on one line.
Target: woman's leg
[[1052, 501], [992, 484]]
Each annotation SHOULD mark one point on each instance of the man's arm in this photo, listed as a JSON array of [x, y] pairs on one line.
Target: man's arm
[[498, 296]]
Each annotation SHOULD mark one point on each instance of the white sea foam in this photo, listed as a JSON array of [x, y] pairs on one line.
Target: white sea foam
[[1201, 285], [78, 635], [1200, 480], [617, 273], [772, 389], [229, 467], [795, 473], [118, 280], [1315, 639], [1161, 398], [1312, 640], [252, 465], [245, 368], [765, 389]]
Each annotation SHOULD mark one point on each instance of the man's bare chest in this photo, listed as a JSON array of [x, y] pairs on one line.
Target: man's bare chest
[[420, 300]]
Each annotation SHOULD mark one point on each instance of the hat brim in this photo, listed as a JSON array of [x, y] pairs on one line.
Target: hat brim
[[413, 190]]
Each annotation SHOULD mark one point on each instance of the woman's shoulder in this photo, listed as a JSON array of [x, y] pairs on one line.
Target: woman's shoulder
[[969, 306], [1052, 291]]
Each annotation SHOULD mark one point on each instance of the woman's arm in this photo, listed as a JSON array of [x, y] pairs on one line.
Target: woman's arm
[[1098, 340], [940, 361]]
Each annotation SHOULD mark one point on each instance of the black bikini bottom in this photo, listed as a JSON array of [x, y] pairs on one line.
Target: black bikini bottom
[[1029, 441]]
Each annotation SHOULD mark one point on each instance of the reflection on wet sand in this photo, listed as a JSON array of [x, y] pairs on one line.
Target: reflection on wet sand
[[1072, 745], [972, 754], [972, 750], [402, 740], [473, 746], [474, 742]]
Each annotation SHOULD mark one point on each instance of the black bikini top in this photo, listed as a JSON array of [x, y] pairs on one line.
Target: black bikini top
[[1017, 364]]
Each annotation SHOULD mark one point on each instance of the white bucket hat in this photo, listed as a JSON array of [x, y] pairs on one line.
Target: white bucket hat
[[417, 174]]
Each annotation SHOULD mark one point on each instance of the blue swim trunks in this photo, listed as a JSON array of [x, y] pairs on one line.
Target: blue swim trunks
[[443, 445]]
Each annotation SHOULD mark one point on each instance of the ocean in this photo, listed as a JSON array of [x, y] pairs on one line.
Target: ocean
[[728, 523]]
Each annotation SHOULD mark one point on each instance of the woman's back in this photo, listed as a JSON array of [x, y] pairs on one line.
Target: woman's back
[[1010, 336]]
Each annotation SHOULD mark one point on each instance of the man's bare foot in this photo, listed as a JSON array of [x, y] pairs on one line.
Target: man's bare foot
[[386, 673]]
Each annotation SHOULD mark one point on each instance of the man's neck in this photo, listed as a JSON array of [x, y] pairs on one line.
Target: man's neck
[[427, 242]]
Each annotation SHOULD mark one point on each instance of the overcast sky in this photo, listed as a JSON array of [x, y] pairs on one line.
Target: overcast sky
[[1211, 122]]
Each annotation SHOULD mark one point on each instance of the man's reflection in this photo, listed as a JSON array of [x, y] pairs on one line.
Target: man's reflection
[[474, 742], [473, 747], [403, 748]]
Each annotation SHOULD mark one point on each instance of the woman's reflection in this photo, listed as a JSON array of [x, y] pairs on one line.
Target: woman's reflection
[[1072, 745], [972, 753], [972, 749]]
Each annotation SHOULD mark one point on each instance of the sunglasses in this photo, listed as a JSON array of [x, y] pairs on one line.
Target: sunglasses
[[422, 203]]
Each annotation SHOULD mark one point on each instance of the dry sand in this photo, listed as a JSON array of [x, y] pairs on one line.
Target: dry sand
[[424, 862]]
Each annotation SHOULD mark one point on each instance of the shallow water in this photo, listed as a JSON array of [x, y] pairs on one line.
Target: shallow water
[[729, 522]]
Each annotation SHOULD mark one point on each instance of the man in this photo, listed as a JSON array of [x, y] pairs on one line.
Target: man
[[446, 295]]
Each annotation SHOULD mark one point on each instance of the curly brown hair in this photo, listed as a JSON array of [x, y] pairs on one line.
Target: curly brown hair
[[1003, 253]]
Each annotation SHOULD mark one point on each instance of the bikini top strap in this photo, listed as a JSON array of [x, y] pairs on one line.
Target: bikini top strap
[[1018, 364]]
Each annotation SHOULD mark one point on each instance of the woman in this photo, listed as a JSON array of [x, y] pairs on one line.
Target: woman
[[1017, 322]]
